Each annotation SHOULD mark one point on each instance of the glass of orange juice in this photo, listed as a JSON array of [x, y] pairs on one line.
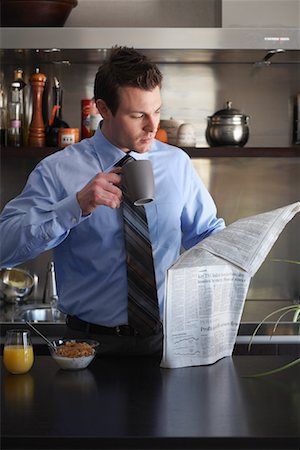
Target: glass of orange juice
[[18, 352]]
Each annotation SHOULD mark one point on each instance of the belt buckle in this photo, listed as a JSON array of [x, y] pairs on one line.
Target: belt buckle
[[118, 331], [124, 330]]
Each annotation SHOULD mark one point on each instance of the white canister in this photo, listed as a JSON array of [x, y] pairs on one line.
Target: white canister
[[186, 135], [171, 126]]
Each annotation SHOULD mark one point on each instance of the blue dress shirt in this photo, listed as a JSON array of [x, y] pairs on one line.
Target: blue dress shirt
[[89, 252]]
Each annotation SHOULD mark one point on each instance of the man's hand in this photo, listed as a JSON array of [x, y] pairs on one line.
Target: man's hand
[[101, 190]]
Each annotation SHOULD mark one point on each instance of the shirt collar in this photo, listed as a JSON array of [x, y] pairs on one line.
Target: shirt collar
[[108, 154]]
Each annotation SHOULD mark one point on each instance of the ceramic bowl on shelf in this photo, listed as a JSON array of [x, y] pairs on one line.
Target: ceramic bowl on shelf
[[186, 135], [171, 126], [35, 13], [73, 354]]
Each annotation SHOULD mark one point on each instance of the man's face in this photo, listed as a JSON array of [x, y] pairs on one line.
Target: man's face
[[136, 121]]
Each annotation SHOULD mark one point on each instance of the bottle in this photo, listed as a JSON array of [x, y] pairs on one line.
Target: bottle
[[55, 122], [85, 118], [3, 118], [20, 83], [296, 120], [95, 118], [16, 110], [50, 291], [90, 118]]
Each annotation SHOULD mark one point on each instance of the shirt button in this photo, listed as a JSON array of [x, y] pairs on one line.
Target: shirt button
[[74, 220]]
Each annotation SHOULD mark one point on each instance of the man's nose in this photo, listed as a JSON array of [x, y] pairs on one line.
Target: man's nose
[[151, 124]]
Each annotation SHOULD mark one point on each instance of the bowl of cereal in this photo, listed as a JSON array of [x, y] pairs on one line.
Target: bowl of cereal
[[73, 354]]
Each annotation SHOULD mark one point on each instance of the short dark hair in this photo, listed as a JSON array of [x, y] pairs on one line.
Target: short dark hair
[[124, 67]]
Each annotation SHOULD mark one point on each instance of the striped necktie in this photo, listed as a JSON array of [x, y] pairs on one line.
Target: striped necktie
[[143, 309]]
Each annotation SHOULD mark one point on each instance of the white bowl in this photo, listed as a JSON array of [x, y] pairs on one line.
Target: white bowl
[[76, 362]]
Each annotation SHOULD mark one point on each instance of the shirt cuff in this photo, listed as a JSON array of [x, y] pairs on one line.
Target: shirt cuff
[[68, 212]]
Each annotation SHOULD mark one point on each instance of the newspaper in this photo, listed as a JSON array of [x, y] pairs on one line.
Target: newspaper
[[207, 286]]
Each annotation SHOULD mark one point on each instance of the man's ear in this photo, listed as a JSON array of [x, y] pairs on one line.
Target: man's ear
[[103, 108]]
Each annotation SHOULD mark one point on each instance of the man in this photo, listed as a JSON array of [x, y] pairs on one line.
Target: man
[[72, 203]]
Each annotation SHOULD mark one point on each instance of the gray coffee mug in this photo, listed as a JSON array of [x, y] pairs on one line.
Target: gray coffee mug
[[139, 181]]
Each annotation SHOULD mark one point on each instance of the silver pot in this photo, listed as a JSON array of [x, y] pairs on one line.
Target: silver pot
[[15, 284], [227, 127]]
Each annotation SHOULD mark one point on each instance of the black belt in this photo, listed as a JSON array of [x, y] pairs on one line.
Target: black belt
[[80, 325]]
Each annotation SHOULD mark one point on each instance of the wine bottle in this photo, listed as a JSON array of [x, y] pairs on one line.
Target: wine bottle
[[16, 110], [296, 120], [55, 122], [3, 118], [19, 78], [19, 84]]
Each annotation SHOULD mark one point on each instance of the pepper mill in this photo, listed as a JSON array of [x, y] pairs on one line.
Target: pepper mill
[[37, 127]]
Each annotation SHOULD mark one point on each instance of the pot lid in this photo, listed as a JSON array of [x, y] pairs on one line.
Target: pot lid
[[228, 116], [228, 111]]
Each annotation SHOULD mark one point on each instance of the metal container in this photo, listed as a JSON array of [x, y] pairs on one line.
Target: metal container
[[227, 127], [15, 284], [68, 136], [50, 290]]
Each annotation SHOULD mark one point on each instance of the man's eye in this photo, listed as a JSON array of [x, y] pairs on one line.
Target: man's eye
[[138, 116]]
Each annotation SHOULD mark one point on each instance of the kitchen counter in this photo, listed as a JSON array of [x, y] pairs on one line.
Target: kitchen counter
[[8, 153], [132, 403]]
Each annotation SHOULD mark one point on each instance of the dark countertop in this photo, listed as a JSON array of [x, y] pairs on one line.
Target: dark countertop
[[193, 152], [132, 403]]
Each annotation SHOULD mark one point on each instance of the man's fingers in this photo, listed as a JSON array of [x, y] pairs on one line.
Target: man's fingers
[[103, 189]]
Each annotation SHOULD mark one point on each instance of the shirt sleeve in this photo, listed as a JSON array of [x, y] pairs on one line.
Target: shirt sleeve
[[199, 217], [38, 219]]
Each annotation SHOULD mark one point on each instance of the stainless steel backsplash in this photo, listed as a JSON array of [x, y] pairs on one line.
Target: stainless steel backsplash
[[243, 187], [191, 92]]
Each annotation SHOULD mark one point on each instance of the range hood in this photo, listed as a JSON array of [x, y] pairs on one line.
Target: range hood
[[152, 38], [165, 45], [273, 24], [235, 38]]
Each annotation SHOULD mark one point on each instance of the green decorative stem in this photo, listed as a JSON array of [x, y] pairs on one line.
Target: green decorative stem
[[279, 369]]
